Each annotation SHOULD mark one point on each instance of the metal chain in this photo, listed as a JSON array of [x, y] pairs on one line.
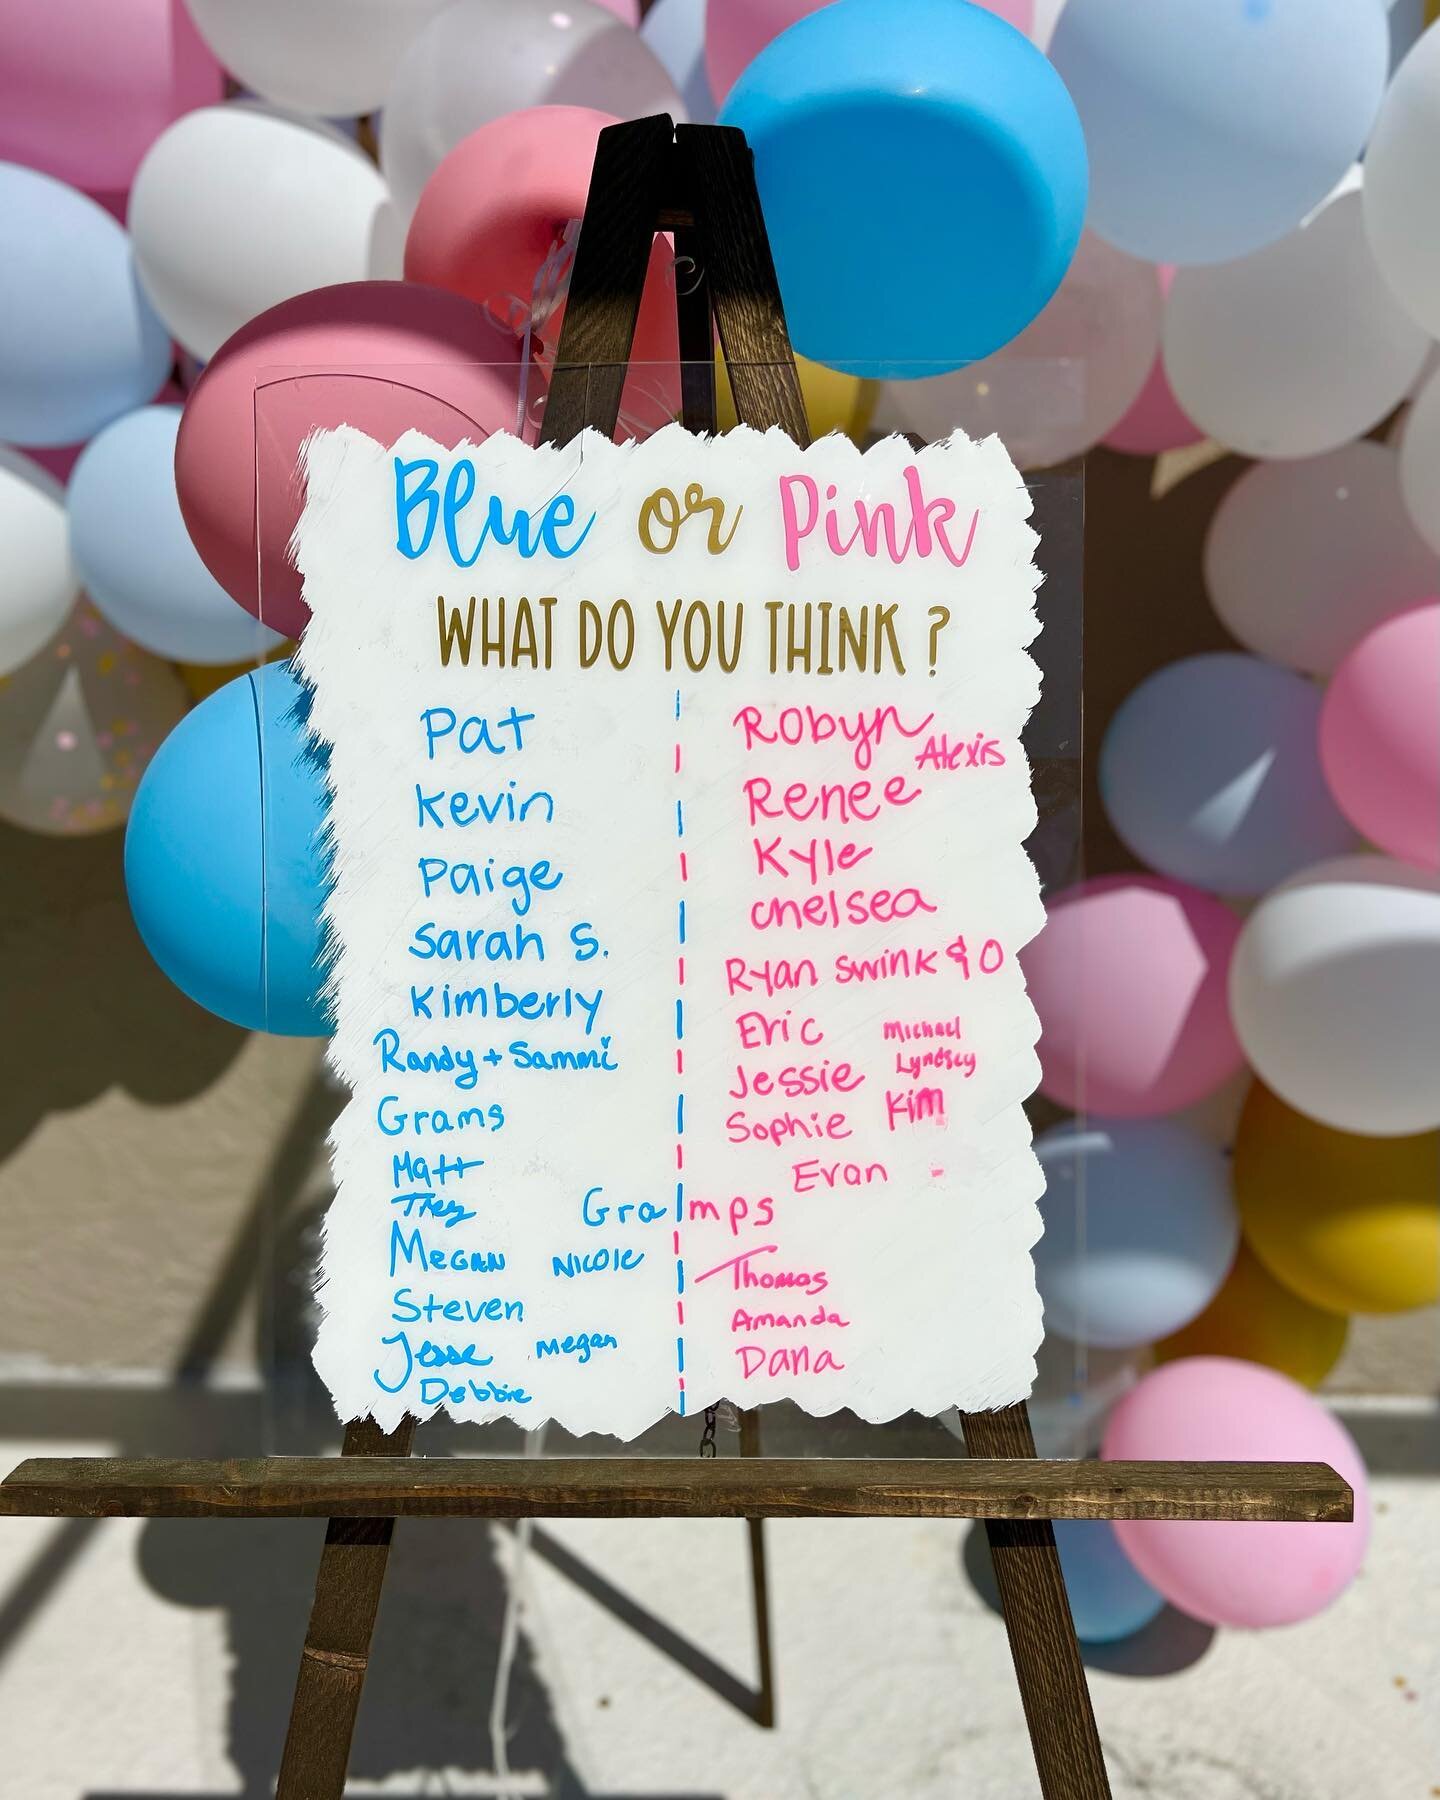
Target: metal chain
[[707, 1437]]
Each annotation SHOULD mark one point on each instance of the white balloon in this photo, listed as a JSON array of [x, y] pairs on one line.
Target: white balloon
[[1335, 995], [238, 207], [39, 585], [1067, 379], [1296, 348], [1303, 558], [1401, 165], [334, 57], [480, 59], [1420, 463]]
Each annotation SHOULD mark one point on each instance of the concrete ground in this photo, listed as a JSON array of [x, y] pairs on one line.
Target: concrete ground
[[154, 1661]]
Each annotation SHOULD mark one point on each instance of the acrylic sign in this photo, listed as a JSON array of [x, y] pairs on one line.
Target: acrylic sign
[[678, 809]]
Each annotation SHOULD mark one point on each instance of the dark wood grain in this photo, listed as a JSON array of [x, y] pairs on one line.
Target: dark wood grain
[[612, 254], [642, 1487], [1051, 1676], [342, 1622], [716, 166], [765, 1708]]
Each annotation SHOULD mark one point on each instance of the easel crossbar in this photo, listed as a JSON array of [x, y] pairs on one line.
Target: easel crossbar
[[299, 1487]]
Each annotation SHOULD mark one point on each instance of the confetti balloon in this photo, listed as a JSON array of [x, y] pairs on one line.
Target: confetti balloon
[[333, 57], [1066, 380], [1295, 348], [384, 356], [480, 59], [1400, 163], [238, 207], [1260, 1320], [1335, 995], [1380, 736], [86, 86], [1209, 771], [1128, 978], [135, 555], [1346, 1222], [40, 585], [1420, 463], [223, 864], [1212, 1408], [1303, 558], [1215, 125], [79, 723], [79, 343], [1140, 1229]]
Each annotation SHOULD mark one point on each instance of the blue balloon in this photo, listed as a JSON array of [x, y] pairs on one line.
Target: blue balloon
[[1140, 1229], [79, 343], [675, 32], [923, 174], [1109, 1597], [1214, 126], [223, 863], [134, 554], [1210, 772]]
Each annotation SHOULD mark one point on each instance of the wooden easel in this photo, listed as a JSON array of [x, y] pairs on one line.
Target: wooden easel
[[696, 182]]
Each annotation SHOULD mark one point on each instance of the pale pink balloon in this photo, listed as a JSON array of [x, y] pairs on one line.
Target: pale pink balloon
[[736, 31], [86, 86], [1129, 979], [1155, 423], [627, 11], [1380, 736], [494, 210], [384, 356], [1217, 1409]]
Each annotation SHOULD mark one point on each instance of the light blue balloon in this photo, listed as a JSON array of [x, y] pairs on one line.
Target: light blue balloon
[[675, 32], [1210, 772], [226, 890], [1109, 1598], [134, 554], [923, 175], [79, 343], [1140, 1229], [1214, 126]]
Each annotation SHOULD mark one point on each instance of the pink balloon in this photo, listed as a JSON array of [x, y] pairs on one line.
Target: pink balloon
[[736, 31], [384, 356], [1155, 423], [1213, 1408], [1380, 736], [1129, 979], [627, 11], [493, 210], [86, 86]]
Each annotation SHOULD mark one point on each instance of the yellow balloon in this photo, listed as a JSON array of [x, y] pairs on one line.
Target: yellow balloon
[[834, 402], [1258, 1320], [1349, 1223]]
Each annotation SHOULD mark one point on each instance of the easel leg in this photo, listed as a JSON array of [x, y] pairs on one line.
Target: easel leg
[[759, 1583], [337, 1642], [1052, 1681]]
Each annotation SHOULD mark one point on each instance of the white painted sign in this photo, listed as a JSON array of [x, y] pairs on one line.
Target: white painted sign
[[678, 808]]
